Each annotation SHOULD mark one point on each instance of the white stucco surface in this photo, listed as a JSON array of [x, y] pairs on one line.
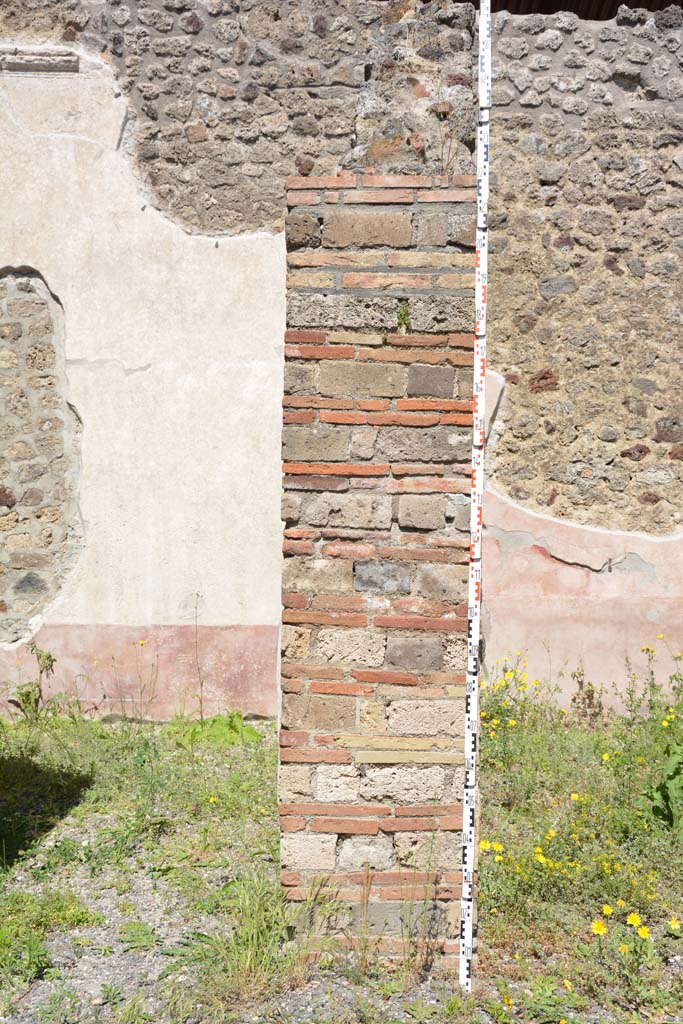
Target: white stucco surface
[[174, 363]]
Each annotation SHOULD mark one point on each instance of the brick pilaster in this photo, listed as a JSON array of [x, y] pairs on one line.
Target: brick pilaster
[[376, 452]]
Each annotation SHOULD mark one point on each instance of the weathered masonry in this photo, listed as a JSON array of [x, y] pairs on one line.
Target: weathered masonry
[[376, 450]]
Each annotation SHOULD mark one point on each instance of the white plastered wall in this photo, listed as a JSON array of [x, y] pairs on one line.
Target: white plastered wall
[[174, 362]]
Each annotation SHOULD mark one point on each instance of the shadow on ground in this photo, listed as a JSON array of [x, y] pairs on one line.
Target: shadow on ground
[[33, 798]]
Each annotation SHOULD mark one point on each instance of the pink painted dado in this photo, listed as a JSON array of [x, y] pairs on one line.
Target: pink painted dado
[[154, 671], [563, 593]]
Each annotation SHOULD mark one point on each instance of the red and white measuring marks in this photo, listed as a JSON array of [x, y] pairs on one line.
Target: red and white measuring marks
[[467, 908]]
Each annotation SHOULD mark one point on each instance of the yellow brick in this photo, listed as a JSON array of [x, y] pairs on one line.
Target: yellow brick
[[406, 757], [309, 279], [431, 259], [373, 717], [351, 740], [455, 281]]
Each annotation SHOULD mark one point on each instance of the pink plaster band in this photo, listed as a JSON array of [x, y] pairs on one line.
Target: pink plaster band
[[153, 671]]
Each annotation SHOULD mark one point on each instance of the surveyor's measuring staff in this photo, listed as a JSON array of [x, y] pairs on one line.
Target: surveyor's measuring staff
[[476, 509]]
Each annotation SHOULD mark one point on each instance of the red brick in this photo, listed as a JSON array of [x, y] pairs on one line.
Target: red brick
[[456, 180], [448, 678], [321, 181], [440, 404], [292, 824], [346, 826], [348, 549], [461, 419], [294, 737], [372, 675], [450, 822], [386, 282], [420, 606], [344, 810], [292, 686], [451, 195], [420, 824], [416, 810], [319, 352], [324, 618], [461, 340], [294, 600], [338, 468], [440, 625], [315, 402], [402, 195], [290, 877], [396, 419], [294, 669], [303, 416], [295, 198], [295, 335], [297, 547], [315, 756], [373, 404], [301, 533], [343, 417], [418, 469], [339, 602], [343, 689]]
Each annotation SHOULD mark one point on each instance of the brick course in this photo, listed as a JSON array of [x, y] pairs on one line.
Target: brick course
[[375, 561]]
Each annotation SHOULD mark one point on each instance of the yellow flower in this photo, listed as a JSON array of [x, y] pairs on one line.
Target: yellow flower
[[498, 858], [621, 903], [574, 797], [509, 675], [674, 924], [644, 932], [598, 927], [535, 682], [567, 984], [142, 643], [605, 757], [498, 847], [640, 759], [660, 636], [665, 724], [213, 799], [607, 910], [623, 948], [484, 844], [507, 1001], [634, 920], [512, 721]]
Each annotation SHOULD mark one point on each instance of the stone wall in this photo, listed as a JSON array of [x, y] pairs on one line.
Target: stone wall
[[587, 266], [376, 450], [39, 455], [228, 97]]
